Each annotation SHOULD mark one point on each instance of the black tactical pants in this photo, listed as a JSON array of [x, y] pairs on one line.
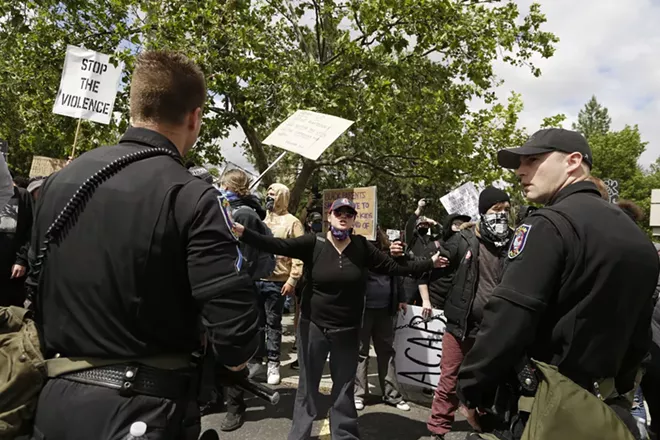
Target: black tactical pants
[[73, 411]]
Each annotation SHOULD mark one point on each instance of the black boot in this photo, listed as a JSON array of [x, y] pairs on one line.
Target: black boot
[[232, 422]]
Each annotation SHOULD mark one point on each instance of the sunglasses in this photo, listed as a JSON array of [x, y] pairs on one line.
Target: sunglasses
[[344, 214]]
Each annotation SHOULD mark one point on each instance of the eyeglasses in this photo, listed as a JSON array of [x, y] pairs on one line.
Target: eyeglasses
[[344, 214]]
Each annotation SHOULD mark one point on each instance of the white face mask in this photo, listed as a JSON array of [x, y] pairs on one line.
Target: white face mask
[[496, 223]]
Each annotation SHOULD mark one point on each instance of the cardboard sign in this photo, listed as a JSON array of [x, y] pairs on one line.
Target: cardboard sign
[[45, 166], [88, 87], [366, 204], [308, 133], [463, 200], [418, 347], [612, 189]]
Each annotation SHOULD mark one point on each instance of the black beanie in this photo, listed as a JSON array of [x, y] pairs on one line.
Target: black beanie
[[491, 196]]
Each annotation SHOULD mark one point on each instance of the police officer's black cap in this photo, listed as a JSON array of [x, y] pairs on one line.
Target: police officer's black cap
[[545, 141]]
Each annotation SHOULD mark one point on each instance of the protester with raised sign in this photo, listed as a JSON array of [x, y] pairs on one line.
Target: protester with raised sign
[[336, 266]]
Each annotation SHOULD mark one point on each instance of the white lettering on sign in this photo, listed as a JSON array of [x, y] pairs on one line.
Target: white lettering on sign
[[88, 87]]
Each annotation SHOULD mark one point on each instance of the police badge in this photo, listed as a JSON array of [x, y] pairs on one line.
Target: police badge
[[519, 240]]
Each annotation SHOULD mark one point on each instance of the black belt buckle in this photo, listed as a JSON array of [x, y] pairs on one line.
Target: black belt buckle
[[128, 381]]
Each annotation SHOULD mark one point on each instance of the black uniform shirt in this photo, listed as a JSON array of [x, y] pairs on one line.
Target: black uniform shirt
[[150, 253], [576, 293]]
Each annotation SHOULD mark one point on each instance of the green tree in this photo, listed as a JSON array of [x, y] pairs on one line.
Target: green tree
[[593, 120], [404, 71]]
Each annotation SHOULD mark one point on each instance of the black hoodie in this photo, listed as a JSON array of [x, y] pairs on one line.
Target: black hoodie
[[248, 212]]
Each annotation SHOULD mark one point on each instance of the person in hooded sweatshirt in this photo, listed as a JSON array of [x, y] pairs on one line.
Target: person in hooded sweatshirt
[[15, 234], [247, 210], [284, 278]]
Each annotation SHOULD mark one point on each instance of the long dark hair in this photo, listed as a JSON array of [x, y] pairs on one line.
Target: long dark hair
[[382, 242]]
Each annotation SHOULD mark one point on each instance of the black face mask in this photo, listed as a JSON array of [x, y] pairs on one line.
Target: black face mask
[[423, 231], [270, 203], [317, 227]]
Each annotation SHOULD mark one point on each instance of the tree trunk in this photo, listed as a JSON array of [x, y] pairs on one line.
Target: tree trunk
[[260, 158], [308, 168]]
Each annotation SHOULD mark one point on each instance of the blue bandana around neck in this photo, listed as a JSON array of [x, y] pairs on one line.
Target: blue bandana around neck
[[229, 195], [339, 234]]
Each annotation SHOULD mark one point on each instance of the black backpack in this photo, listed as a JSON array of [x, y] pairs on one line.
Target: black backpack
[[265, 263]]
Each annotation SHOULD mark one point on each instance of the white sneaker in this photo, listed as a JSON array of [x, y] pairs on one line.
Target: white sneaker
[[359, 405], [273, 373], [403, 406]]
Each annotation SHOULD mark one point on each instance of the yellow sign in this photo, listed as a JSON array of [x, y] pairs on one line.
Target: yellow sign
[[366, 205], [45, 166]]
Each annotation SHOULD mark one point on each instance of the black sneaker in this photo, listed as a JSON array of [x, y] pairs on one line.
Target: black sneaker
[[295, 365], [211, 408], [232, 422]]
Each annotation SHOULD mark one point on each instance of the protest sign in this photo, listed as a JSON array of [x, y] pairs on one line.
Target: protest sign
[[612, 189], [418, 347], [88, 87], [366, 205], [308, 133], [463, 200], [4, 146], [45, 166]]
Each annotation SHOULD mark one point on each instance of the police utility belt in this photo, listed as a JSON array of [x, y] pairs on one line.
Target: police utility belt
[[169, 377]]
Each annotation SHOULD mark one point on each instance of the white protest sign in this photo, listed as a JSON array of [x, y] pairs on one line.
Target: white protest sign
[[88, 87], [418, 347], [393, 234], [463, 200], [308, 133]]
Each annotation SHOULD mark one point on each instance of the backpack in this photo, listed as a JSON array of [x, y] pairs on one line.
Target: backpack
[[265, 263]]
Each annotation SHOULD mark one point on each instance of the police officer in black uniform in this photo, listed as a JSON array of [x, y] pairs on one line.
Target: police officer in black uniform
[[151, 253], [576, 291]]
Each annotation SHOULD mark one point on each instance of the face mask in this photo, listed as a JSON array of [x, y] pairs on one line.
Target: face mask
[[339, 234], [497, 224], [270, 203], [317, 227], [423, 231]]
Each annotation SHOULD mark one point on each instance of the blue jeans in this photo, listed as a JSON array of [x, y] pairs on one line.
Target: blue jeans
[[271, 304]]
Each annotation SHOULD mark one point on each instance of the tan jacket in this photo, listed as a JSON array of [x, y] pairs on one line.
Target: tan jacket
[[284, 225]]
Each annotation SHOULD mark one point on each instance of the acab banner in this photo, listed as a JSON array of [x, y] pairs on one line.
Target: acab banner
[[88, 87]]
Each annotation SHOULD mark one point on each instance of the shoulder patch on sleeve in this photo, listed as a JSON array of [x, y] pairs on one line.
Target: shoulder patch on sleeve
[[519, 240], [225, 208]]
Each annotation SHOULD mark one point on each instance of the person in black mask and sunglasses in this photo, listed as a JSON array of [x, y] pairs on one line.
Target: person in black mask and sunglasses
[[476, 254], [337, 266]]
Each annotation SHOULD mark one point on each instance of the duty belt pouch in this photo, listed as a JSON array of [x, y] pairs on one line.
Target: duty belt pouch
[[563, 410], [23, 371]]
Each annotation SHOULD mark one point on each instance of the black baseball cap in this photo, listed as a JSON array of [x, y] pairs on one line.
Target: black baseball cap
[[545, 141]]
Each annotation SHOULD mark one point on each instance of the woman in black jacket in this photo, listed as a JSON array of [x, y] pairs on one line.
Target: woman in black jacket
[[332, 306]]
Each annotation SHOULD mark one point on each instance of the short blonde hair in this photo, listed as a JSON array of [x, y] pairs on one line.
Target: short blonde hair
[[237, 181]]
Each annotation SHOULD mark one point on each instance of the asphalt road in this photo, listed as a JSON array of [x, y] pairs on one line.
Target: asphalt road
[[376, 421]]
